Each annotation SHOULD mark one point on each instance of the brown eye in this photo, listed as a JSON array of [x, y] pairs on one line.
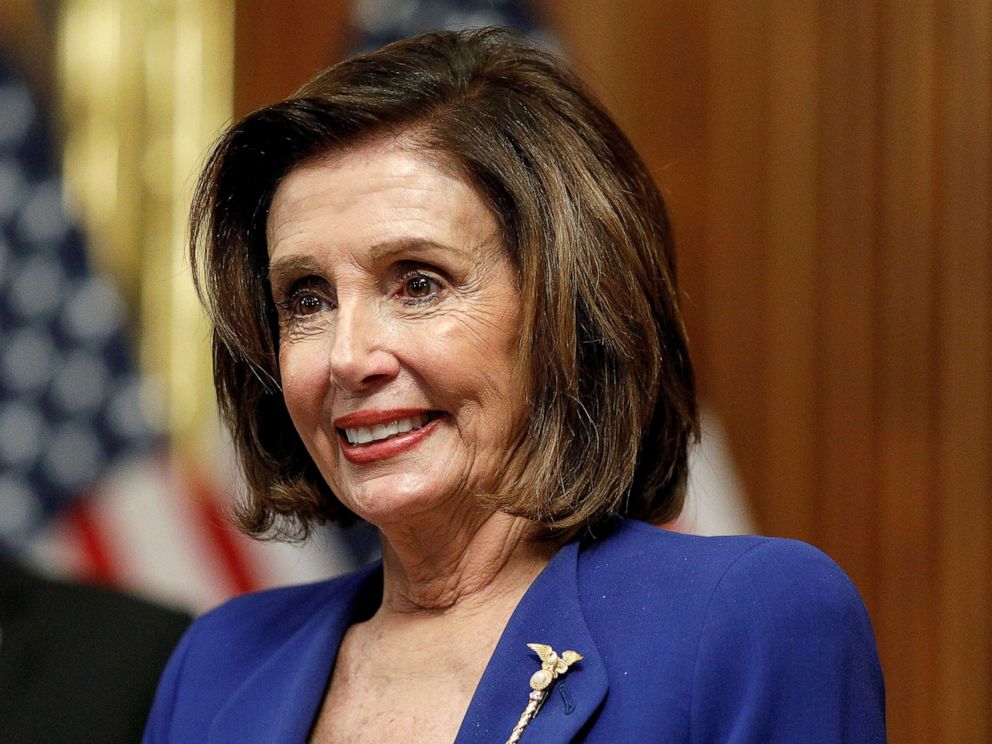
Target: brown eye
[[306, 303], [307, 297], [418, 286]]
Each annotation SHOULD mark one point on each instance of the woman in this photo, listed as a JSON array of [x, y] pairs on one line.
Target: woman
[[444, 301]]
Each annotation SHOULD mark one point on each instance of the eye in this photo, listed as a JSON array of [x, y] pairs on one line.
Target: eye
[[305, 299], [418, 287], [305, 302]]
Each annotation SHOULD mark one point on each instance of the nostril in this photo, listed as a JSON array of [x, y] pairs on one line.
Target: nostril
[[364, 369]]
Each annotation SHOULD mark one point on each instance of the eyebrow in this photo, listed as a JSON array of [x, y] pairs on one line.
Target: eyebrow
[[408, 245], [284, 269]]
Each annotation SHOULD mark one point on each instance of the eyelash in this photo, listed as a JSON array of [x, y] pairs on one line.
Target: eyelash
[[299, 290], [302, 290], [437, 287]]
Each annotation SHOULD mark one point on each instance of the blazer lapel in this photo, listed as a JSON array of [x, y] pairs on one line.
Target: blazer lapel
[[278, 703], [548, 613]]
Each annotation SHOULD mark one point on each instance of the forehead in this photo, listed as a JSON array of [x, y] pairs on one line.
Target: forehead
[[377, 193]]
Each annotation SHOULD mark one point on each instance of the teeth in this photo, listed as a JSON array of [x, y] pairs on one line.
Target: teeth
[[378, 432]]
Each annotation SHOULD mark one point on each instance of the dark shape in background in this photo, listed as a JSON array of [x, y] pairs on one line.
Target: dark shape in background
[[77, 663]]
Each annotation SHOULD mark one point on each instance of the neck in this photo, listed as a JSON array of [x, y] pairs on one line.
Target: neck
[[460, 564]]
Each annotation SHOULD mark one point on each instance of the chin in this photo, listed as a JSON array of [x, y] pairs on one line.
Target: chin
[[396, 498]]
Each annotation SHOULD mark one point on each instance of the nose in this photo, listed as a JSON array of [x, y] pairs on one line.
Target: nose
[[360, 359]]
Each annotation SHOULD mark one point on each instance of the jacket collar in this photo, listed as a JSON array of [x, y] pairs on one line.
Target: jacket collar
[[548, 613], [279, 701]]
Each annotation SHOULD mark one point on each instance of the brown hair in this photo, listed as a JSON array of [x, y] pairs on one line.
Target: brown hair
[[612, 398]]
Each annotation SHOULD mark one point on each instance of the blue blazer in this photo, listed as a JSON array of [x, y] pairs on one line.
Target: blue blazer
[[684, 639]]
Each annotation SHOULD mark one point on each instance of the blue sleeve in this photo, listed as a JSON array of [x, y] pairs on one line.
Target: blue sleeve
[[158, 730], [786, 654]]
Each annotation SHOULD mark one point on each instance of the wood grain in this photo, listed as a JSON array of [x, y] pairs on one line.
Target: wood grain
[[279, 46], [963, 243]]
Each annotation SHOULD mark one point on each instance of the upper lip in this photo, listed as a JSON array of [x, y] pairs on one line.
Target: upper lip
[[373, 416]]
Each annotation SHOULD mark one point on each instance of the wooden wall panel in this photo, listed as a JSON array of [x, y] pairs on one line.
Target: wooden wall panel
[[279, 46], [845, 473], [842, 296], [730, 364], [829, 168], [963, 243], [791, 197], [906, 374]]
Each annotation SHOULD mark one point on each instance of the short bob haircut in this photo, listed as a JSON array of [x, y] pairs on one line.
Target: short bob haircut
[[612, 408]]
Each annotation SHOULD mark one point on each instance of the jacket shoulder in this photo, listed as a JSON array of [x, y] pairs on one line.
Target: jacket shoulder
[[258, 623], [787, 639], [755, 634], [643, 558], [771, 583], [58, 653], [651, 554], [203, 674], [282, 609]]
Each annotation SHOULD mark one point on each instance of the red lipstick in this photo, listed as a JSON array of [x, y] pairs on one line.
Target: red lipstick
[[383, 449], [373, 416]]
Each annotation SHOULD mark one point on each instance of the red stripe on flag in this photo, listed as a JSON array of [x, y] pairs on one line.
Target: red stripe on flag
[[224, 542], [97, 564]]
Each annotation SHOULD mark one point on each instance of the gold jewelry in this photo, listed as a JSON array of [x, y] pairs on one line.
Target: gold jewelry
[[552, 667]]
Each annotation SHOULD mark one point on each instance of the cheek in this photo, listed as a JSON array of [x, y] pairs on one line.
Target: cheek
[[304, 377], [474, 357]]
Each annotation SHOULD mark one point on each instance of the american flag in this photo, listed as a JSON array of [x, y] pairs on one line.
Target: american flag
[[71, 404], [87, 486]]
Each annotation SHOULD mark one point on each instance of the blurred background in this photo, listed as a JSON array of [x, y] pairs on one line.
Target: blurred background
[[828, 164]]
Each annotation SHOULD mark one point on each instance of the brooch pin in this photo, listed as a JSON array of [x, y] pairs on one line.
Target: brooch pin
[[552, 667]]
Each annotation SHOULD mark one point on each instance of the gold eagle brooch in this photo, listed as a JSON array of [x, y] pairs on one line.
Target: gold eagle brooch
[[552, 667]]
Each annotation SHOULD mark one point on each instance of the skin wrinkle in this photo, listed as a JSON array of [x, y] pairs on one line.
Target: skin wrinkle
[[442, 579], [566, 190], [346, 231]]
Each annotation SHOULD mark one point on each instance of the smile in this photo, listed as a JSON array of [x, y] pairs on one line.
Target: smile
[[380, 432], [373, 435]]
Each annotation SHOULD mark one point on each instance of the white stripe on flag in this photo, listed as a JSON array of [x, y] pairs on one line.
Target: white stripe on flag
[[151, 526]]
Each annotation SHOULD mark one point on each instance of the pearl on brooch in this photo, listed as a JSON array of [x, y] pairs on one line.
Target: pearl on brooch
[[552, 667], [540, 679]]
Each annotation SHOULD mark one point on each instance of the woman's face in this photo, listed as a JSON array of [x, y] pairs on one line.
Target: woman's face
[[399, 316]]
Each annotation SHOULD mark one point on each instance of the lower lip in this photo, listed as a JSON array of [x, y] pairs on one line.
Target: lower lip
[[373, 451]]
